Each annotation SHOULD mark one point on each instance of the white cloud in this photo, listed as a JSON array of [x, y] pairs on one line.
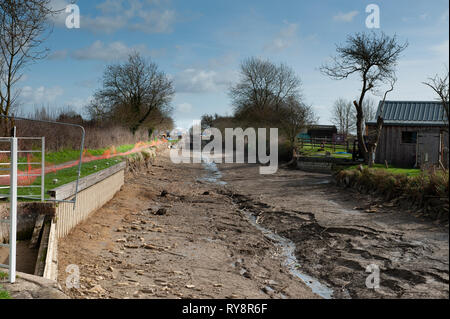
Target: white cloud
[[196, 81], [193, 80], [103, 24], [40, 95], [285, 38], [145, 16], [113, 51], [155, 21], [58, 55], [184, 107], [78, 104], [60, 18], [345, 17]]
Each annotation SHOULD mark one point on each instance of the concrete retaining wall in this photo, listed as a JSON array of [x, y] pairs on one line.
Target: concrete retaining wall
[[66, 217], [88, 201], [322, 164]]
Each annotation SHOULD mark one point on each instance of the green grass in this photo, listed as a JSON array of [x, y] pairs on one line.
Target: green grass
[[392, 169], [69, 155], [4, 294], [313, 151], [125, 148], [66, 175]]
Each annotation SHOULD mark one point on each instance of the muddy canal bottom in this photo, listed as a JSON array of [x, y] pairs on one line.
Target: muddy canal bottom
[[26, 257], [285, 246]]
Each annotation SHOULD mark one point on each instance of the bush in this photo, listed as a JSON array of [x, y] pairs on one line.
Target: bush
[[430, 188]]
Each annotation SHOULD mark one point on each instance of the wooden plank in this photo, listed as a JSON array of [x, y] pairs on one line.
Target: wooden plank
[[37, 231], [68, 190], [51, 258], [42, 253]]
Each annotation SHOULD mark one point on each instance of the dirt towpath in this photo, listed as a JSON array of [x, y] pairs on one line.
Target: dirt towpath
[[167, 234]]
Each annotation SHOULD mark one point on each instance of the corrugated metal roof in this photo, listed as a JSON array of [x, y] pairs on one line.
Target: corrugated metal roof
[[412, 113]]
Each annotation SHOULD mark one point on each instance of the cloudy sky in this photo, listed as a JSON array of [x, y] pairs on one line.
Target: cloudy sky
[[200, 44]]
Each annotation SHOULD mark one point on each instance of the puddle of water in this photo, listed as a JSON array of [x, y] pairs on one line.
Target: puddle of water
[[324, 181], [214, 175], [286, 245]]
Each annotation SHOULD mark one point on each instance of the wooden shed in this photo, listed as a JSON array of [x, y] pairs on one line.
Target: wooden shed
[[322, 131], [414, 134]]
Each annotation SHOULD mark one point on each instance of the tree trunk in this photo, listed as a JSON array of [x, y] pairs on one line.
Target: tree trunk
[[359, 131]]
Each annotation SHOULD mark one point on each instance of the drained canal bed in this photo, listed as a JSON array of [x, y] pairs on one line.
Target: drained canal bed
[[26, 256], [286, 246]]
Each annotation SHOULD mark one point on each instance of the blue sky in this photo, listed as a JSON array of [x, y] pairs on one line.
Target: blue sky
[[200, 44]]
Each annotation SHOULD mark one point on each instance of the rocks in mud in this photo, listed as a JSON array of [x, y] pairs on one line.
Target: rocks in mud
[[161, 211], [245, 273], [97, 289], [150, 246], [163, 193], [149, 291], [156, 210]]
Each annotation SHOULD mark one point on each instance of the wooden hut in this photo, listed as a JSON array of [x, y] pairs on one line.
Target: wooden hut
[[322, 131], [414, 134]]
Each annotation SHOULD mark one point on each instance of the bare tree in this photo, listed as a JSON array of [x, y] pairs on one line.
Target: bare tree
[[375, 136], [23, 29], [374, 58], [369, 111], [133, 92], [294, 116], [262, 89], [440, 86], [207, 121], [342, 116]]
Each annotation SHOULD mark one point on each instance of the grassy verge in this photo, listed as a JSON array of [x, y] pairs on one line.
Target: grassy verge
[[4, 294], [66, 175], [316, 151], [427, 190], [69, 155], [391, 169]]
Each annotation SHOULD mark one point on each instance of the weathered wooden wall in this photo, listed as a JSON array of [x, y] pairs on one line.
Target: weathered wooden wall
[[391, 149]]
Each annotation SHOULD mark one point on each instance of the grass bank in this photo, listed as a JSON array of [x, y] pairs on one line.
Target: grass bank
[[425, 190], [60, 176], [390, 169], [310, 150]]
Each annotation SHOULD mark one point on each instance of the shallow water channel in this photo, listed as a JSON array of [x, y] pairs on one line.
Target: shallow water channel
[[287, 246]]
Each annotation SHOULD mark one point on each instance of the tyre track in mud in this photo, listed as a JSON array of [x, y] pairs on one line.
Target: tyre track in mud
[[336, 240], [335, 254]]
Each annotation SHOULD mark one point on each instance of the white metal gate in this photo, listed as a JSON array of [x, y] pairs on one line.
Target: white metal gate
[[13, 186]]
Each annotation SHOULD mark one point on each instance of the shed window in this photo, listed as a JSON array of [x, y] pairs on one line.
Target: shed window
[[409, 137]]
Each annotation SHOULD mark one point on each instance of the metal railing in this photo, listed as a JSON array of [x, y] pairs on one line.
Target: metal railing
[[41, 163], [13, 183], [13, 210]]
